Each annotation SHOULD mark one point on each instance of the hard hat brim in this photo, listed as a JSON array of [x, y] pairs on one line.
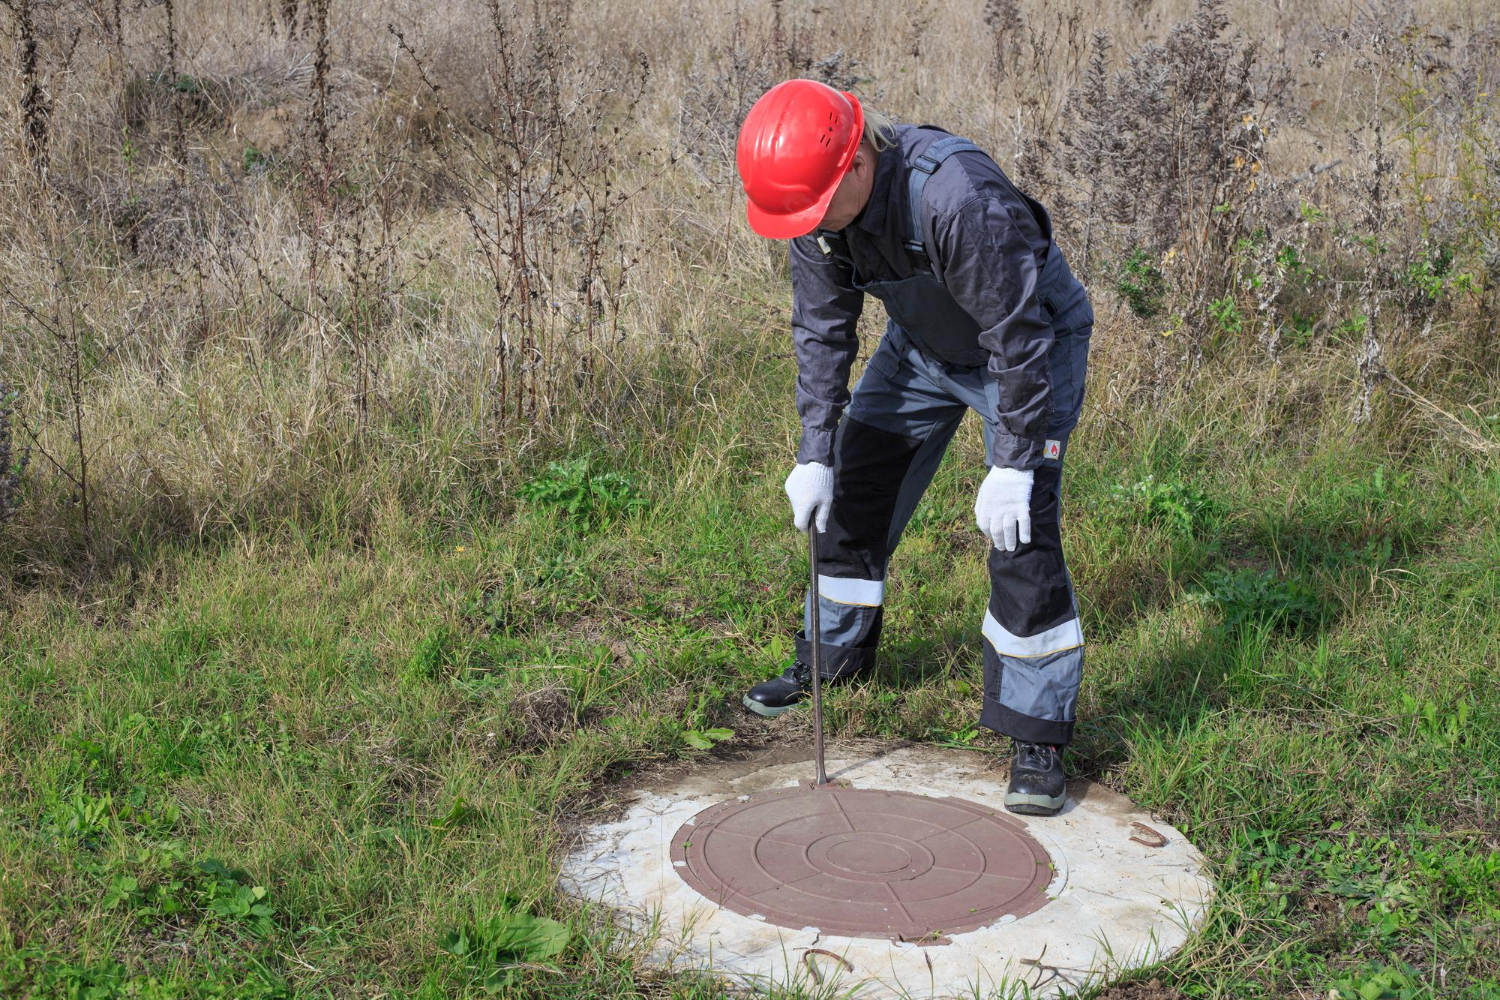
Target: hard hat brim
[[791, 225]]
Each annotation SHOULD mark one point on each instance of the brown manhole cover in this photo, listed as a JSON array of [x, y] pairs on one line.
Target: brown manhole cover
[[863, 862]]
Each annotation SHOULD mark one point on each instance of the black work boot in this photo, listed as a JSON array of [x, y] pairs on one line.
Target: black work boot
[[771, 698], [1037, 786]]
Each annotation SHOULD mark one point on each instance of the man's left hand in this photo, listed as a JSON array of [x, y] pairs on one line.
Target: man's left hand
[[1003, 510]]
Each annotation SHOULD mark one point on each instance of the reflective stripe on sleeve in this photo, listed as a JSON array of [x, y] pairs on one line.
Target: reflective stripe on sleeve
[[1068, 635], [840, 590]]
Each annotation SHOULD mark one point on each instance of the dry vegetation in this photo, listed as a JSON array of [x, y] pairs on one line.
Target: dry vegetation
[[253, 245]]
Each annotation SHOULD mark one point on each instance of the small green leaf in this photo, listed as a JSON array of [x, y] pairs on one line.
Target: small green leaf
[[456, 815], [498, 979], [528, 938], [455, 943]]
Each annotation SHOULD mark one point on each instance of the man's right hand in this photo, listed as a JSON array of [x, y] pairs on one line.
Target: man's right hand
[[810, 489]]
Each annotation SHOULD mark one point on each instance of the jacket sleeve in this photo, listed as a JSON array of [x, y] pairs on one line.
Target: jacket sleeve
[[825, 313], [988, 265]]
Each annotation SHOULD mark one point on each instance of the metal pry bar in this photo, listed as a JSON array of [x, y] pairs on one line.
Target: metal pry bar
[[816, 641]]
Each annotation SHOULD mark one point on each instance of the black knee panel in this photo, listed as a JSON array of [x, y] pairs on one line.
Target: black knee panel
[[869, 466], [1030, 591]]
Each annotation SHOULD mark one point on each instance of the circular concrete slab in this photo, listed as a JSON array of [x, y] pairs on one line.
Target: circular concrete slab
[[1121, 889], [863, 862]]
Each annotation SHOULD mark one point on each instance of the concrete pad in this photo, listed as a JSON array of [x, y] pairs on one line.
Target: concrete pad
[[1114, 903]]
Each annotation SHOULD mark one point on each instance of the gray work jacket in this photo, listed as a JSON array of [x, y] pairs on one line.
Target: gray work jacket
[[987, 242]]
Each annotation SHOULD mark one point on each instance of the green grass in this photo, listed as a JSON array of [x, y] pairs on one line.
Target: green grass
[[337, 754]]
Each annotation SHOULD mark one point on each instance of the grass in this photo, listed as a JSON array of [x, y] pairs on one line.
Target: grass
[[338, 755]]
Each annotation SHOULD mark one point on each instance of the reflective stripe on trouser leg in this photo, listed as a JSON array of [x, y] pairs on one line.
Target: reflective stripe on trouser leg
[[847, 590], [1033, 644]]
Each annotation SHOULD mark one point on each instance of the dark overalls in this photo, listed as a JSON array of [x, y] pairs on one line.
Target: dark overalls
[[928, 370]]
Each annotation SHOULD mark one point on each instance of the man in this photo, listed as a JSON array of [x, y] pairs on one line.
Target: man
[[984, 315]]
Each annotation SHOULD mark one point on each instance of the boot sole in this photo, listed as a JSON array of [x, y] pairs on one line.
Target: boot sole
[[764, 710], [1034, 805]]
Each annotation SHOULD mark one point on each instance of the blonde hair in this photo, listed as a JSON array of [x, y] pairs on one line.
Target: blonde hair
[[880, 131]]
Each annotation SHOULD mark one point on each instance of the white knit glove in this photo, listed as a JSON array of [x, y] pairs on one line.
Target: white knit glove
[[810, 489], [1003, 510]]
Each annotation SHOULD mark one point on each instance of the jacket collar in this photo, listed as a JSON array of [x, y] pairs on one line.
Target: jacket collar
[[872, 219]]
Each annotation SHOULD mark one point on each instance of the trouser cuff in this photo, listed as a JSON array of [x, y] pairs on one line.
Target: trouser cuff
[[1027, 729], [838, 661]]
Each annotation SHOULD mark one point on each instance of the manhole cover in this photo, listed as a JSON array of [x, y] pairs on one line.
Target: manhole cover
[[863, 862]]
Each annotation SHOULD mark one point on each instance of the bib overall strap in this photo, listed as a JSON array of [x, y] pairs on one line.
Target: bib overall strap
[[916, 180]]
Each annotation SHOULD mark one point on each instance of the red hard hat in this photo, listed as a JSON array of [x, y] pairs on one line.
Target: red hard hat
[[795, 146]]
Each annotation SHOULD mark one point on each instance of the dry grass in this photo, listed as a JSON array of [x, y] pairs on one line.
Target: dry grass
[[261, 252]]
